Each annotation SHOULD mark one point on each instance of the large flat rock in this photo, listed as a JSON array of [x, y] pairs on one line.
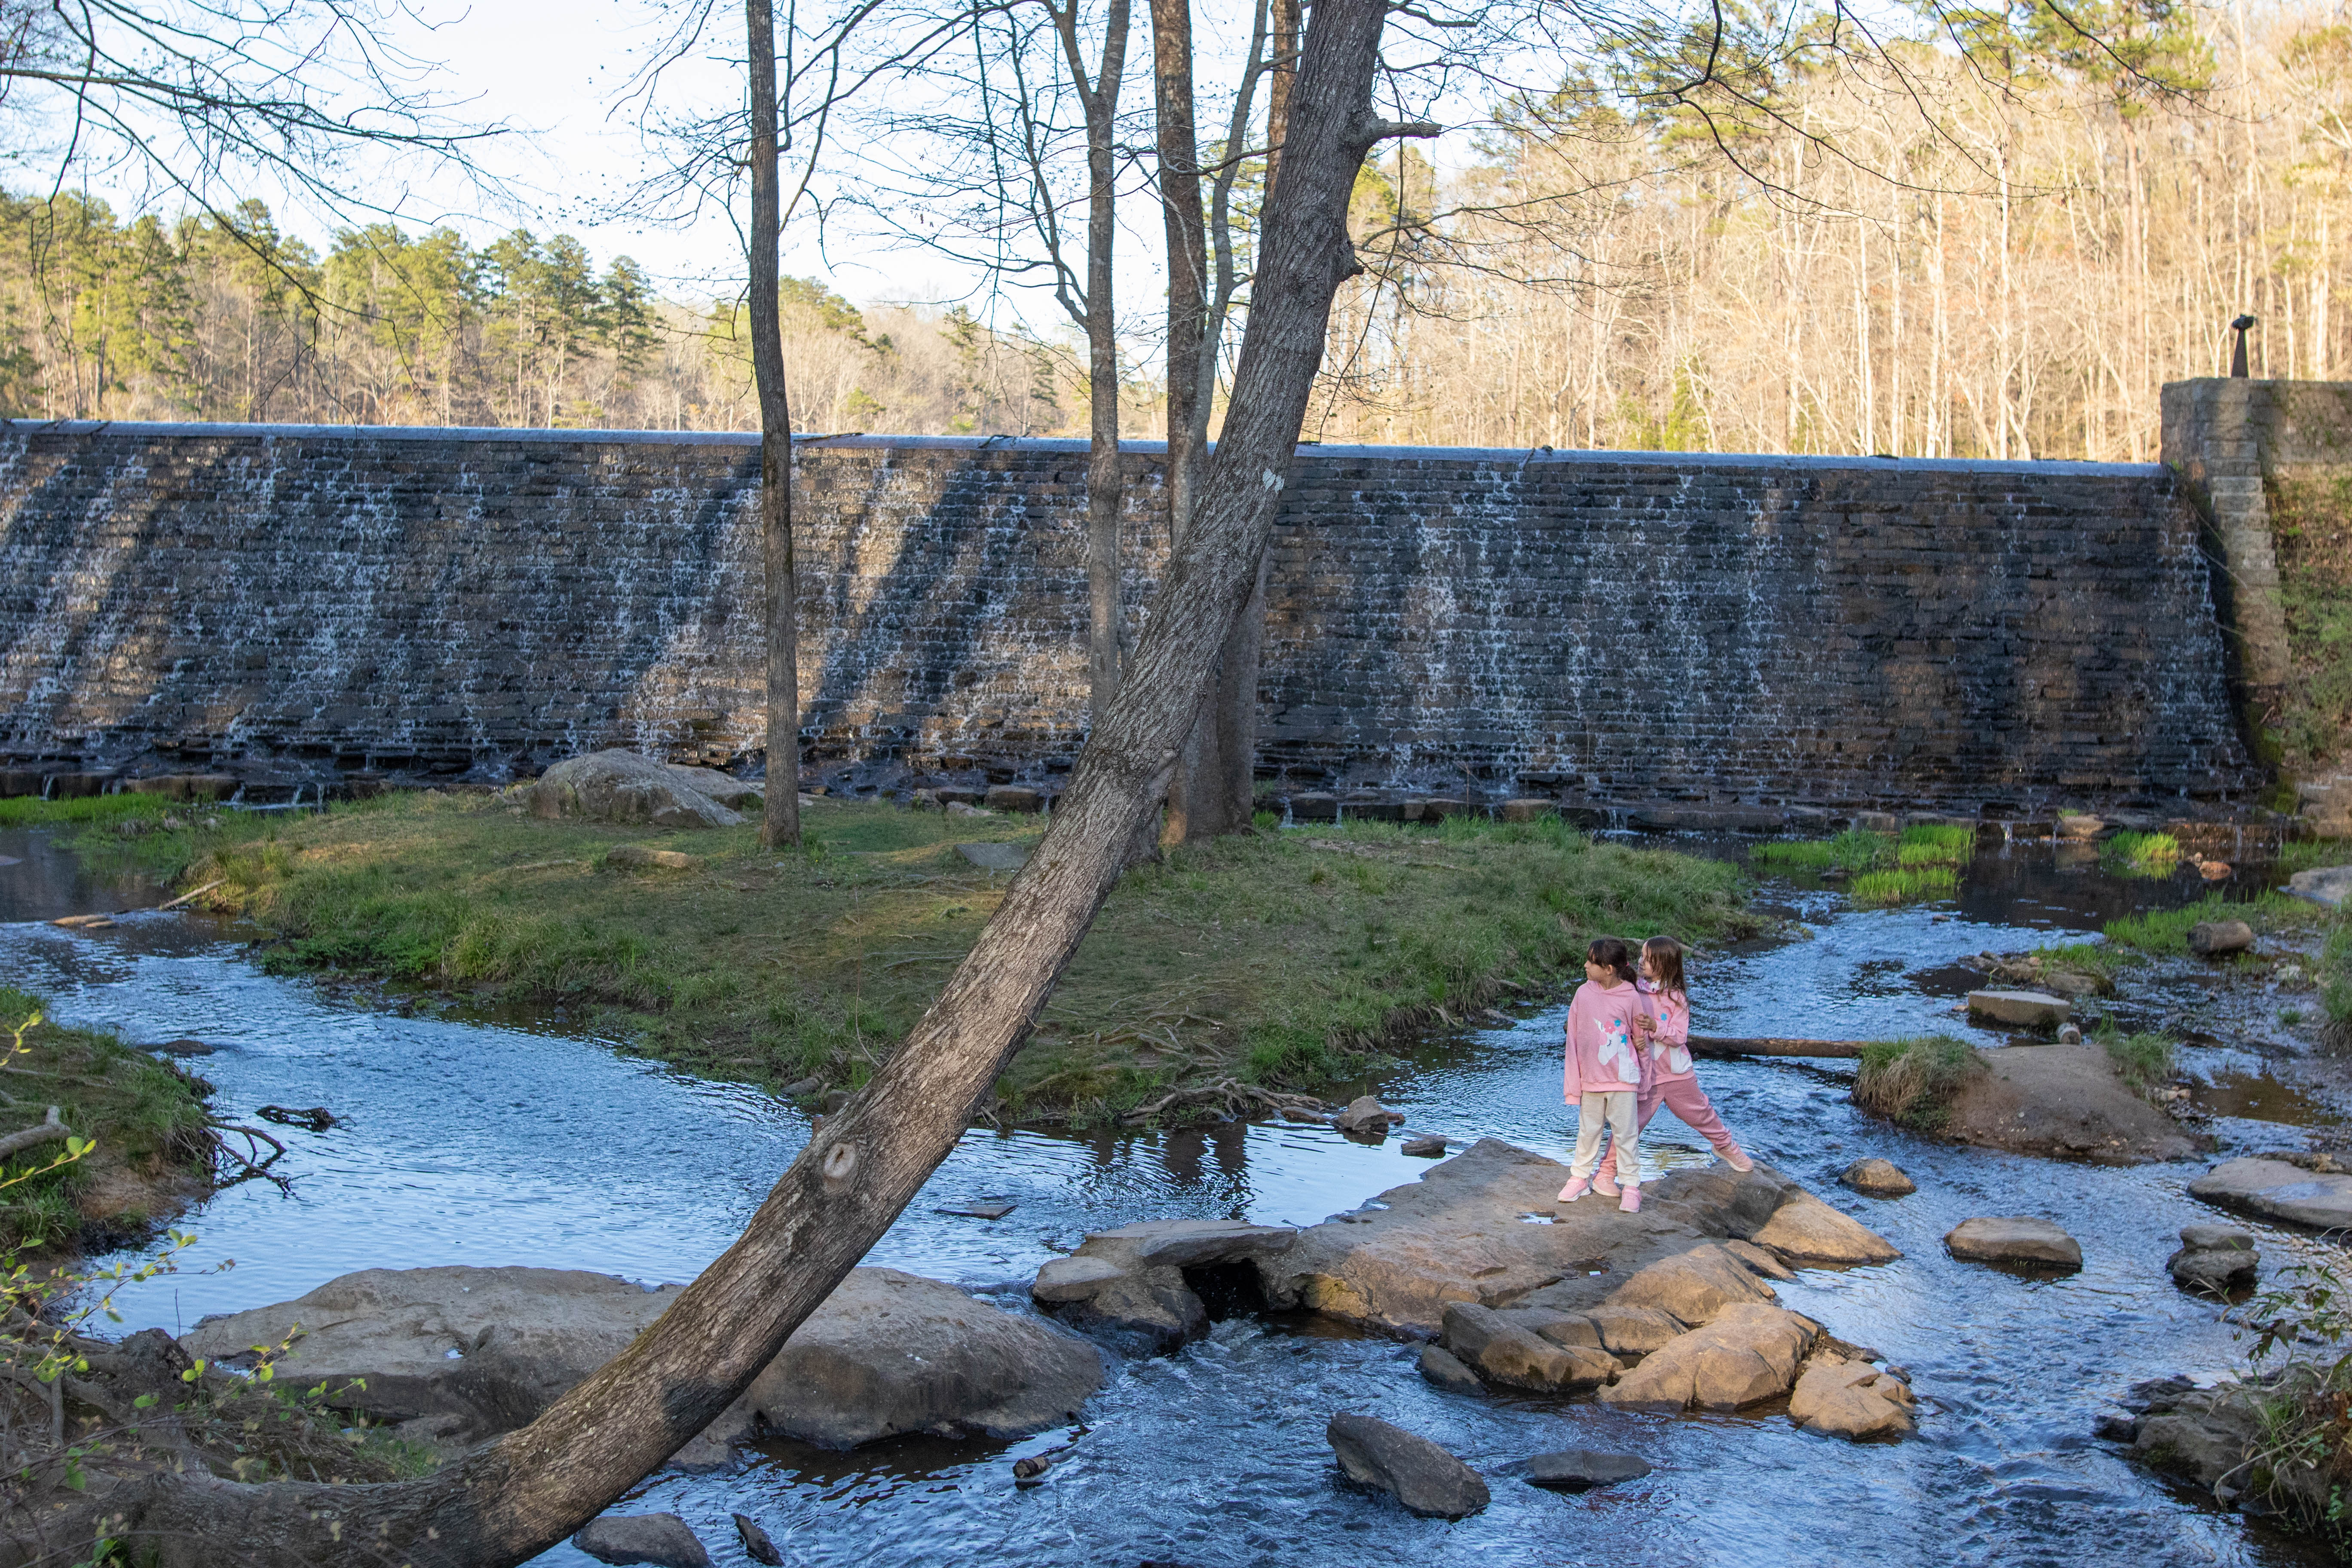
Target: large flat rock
[[2327, 884], [1463, 1233], [2275, 1189], [888, 1353]]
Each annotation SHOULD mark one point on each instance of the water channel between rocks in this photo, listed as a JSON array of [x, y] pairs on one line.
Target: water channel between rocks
[[465, 1142]]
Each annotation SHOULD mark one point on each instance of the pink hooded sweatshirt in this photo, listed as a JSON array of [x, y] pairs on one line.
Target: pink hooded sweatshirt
[[1601, 1051], [1668, 1060]]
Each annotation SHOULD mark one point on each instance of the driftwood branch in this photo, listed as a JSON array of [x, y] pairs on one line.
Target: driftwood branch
[[192, 894], [50, 1130], [1726, 1045]]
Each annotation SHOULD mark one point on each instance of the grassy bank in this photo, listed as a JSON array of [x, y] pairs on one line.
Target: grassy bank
[[146, 1119], [1913, 1082], [1285, 959]]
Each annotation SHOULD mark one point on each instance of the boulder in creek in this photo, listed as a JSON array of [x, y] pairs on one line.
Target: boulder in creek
[[1748, 1353], [1851, 1399], [1693, 1288], [2062, 1101], [2207, 1436], [1503, 1351], [2020, 1009], [624, 787], [1759, 1260], [2270, 1187], [1128, 1285], [1365, 1114], [2019, 1239], [1419, 1474], [2220, 939], [1878, 1179], [886, 1353], [1429, 1146], [662, 1539], [1630, 1332], [1580, 1470], [2214, 1260], [1442, 1367], [1461, 1233]]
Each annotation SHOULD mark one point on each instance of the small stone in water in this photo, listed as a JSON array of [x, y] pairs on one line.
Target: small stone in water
[[986, 1210], [1576, 1469], [1427, 1147], [756, 1542]]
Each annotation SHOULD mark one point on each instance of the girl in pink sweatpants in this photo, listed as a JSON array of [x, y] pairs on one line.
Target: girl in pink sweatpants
[[1668, 1077]]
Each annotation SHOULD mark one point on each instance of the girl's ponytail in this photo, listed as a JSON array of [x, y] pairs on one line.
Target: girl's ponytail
[[1608, 953]]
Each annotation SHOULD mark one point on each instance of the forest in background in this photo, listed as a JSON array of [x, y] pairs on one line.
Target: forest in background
[[2014, 274]]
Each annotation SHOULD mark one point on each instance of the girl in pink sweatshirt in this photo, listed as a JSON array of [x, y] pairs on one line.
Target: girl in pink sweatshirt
[[1604, 1069], [1668, 1077]]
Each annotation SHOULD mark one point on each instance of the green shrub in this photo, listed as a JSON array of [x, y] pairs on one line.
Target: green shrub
[[1903, 887], [1913, 1082], [2141, 854]]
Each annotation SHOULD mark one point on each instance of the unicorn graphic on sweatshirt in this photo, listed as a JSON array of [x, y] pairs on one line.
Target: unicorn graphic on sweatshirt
[[1616, 1052]]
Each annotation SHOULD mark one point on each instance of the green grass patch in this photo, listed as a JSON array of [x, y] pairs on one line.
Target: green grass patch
[[1905, 886], [1290, 959], [1853, 850], [1913, 1082], [2141, 854], [146, 1118], [2144, 1061], [2307, 853], [2104, 959], [2164, 933], [1936, 844]]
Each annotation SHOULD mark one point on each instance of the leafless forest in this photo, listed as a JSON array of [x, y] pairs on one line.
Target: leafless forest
[[2014, 273]]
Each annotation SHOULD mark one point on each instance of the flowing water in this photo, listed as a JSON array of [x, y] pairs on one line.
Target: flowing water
[[462, 1141]]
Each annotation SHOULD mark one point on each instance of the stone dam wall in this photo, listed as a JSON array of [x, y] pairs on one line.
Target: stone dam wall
[[309, 603]]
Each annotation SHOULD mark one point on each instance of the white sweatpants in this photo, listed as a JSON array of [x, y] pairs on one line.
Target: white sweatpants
[[1615, 1108]]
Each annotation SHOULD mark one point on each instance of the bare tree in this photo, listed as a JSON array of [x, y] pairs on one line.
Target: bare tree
[[779, 814]]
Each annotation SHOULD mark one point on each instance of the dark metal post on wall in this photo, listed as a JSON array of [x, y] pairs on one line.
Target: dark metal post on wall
[[2238, 353]]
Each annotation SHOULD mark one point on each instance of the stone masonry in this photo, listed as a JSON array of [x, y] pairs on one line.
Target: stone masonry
[[309, 603]]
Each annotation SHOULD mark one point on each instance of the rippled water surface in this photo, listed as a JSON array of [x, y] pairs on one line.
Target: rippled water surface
[[467, 1143]]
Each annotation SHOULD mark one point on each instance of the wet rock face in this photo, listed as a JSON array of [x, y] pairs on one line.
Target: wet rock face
[[419, 602], [2206, 1436], [1464, 1234], [1419, 1474], [886, 1353]]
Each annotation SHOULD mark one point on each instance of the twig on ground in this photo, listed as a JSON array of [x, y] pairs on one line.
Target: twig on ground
[[51, 1129]]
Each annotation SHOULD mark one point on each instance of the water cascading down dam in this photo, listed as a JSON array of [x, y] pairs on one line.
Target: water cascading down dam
[[1737, 638]]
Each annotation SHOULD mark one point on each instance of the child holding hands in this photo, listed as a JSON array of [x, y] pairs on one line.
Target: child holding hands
[[1668, 1075], [1604, 1074]]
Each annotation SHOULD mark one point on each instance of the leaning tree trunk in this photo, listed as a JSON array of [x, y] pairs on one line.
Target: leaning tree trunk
[[779, 814], [503, 1504]]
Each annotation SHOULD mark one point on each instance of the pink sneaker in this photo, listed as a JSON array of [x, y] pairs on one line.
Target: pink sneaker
[[1631, 1201], [1576, 1187], [1736, 1158], [1604, 1185]]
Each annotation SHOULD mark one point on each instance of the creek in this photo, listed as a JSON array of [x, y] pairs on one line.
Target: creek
[[465, 1141]]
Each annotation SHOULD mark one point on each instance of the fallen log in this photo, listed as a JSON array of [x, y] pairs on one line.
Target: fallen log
[[1728, 1045]]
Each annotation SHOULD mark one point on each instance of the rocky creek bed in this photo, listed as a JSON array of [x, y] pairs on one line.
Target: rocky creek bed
[[477, 1144]]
